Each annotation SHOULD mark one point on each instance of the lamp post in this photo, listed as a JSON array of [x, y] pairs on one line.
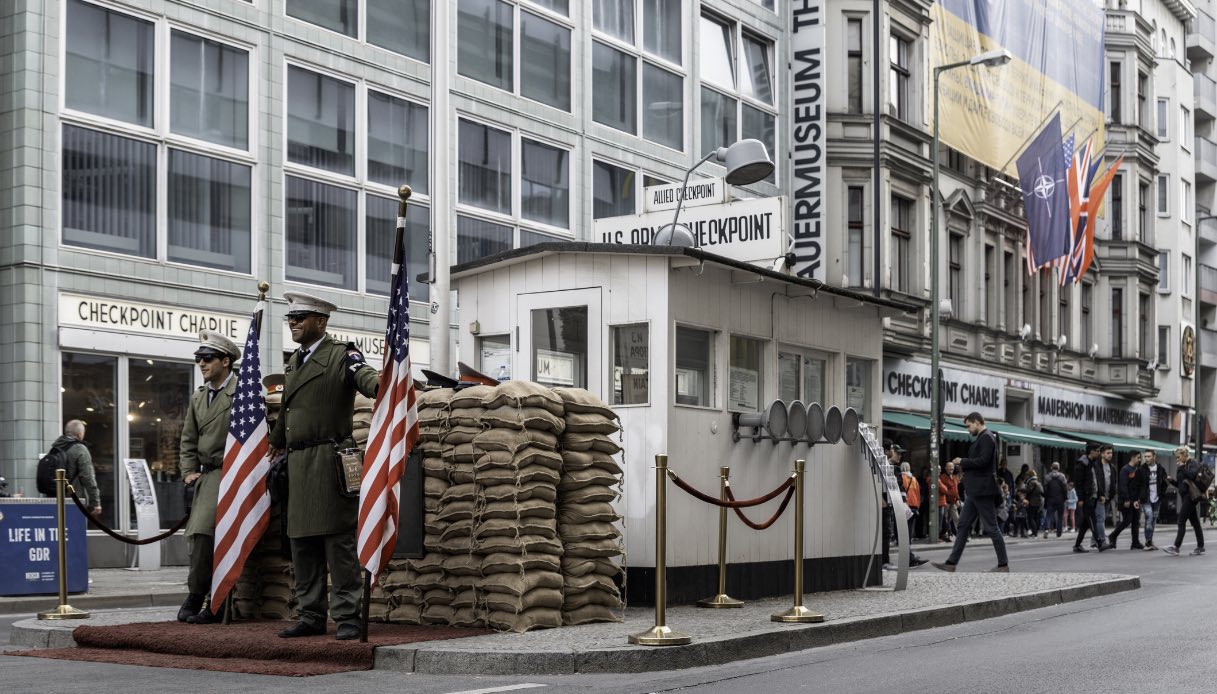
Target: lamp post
[[988, 59], [1198, 425], [747, 161]]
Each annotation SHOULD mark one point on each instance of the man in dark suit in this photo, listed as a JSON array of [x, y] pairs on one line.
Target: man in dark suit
[[980, 486], [1086, 482]]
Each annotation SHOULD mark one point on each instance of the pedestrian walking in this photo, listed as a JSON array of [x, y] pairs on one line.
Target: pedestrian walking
[[948, 497], [980, 485], [1056, 496], [1086, 482], [1154, 481], [893, 452], [1190, 494], [1071, 508], [1105, 479], [322, 377], [912, 494], [1035, 502], [79, 466], [204, 434], [1128, 501]]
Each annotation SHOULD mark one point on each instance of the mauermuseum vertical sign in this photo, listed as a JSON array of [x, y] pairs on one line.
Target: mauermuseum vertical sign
[[807, 141]]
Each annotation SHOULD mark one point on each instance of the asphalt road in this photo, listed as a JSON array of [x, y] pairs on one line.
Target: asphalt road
[[1157, 639]]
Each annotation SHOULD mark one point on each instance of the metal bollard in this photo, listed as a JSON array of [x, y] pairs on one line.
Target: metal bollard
[[660, 634], [64, 610], [798, 613], [722, 600]]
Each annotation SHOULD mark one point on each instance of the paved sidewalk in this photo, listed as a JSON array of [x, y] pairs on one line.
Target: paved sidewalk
[[110, 588], [719, 636]]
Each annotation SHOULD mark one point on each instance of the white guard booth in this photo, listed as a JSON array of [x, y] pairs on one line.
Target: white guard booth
[[677, 340]]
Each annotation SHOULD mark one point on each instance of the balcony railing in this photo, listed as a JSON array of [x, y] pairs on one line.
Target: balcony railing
[[1208, 284], [1206, 159], [1205, 92], [1201, 32], [1207, 225]]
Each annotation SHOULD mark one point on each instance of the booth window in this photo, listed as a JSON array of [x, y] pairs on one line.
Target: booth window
[[631, 368], [746, 374], [857, 386], [559, 346], [694, 367], [494, 356], [801, 377]]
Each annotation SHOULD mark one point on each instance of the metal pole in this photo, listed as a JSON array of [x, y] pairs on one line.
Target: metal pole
[[660, 634], [877, 176], [798, 613], [722, 600], [442, 222], [935, 350], [64, 610]]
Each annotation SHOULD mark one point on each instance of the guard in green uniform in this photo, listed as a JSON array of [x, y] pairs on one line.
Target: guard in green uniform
[[318, 403], [204, 434]]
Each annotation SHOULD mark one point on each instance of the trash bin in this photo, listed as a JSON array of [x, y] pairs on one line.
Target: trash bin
[[29, 553]]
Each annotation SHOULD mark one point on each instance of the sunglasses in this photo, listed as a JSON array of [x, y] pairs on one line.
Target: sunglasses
[[205, 358], [299, 317]]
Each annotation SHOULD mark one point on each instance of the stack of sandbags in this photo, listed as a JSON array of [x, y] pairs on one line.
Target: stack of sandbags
[[515, 529], [361, 420], [587, 521]]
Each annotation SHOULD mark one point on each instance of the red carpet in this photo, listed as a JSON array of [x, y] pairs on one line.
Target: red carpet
[[249, 647]]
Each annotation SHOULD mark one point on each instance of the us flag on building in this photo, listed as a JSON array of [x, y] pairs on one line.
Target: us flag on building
[[243, 511], [394, 428]]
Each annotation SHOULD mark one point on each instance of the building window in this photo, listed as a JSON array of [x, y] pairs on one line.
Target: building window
[[485, 167], [616, 190], [747, 376], [1164, 352], [487, 50], [989, 305], [1143, 100], [1185, 128], [1114, 91], [902, 243], [209, 212], [694, 367], [1185, 207], [1117, 322], [1143, 227], [1164, 198], [1117, 207], [618, 95], [544, 184], [631, 364], [110, 64], [210, 91], [1143, 319], [380, 222], [955, 274], [109, 192], [853, 60], [559, 346], [735, 104], [857, 386], [1009, 282], [494, 355], [1163, 119], [1063, 314], [899, 75], [397, 142], [856, 223], [320, 121], [801, 377], [401, 26], [1087, 324], [477, 238], [320, 245], [1185, 285], [1164, 271]]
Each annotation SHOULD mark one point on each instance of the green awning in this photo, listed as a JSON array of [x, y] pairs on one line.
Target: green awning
[[1010, 433], [1119, 443], [918, 422]]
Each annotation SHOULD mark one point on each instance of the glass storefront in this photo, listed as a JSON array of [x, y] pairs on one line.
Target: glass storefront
[[89, 383], [157, 399]]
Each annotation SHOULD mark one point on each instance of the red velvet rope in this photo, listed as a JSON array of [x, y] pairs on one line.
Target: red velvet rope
[[772, 519], [747, 503], [101, 526]]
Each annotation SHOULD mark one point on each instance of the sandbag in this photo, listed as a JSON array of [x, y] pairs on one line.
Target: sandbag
[[587, 513], [529, 508], [509, 527], [467, 617], [594, 548], [582, 401], [550, 598], [582, 460], [506, 562], [406, 614], [524, 418], [591, 581], [519, 584], [574, 601], [523, 394], [493, 476], [455, 511], [577, 479], [585, 532], [437, 614], [590, 424], [470, 397], [589, 494], [461, 434], [582, 566], [465, 598], [437, 596], [528, 455], [512, 440], [589, 442], [466, 417], [463, 565], [434, 486], [589, 614], [462, 528], [521, 544], [536, 618], [520, 492], [432, 398]]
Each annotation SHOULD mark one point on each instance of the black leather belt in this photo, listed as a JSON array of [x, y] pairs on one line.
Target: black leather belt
[[205, 468], [302, 445]]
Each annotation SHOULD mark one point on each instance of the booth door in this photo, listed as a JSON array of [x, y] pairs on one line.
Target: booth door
[[560, 339]]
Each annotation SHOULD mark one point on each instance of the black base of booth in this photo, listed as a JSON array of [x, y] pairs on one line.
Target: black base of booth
[[688, 584]]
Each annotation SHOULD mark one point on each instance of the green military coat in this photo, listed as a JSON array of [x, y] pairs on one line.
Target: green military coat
[[204, 434], [318, 404]]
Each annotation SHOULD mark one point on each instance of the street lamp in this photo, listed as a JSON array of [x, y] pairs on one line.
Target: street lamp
[[747, 161], [994, 58]]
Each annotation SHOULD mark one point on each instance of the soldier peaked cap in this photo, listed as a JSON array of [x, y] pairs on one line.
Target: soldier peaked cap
[[211, 342], [299, 303], [274, 382]]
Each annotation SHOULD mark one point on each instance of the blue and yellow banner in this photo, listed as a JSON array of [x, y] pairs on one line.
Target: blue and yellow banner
[[990, 114]]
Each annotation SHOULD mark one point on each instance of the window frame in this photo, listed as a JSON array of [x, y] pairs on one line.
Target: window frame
[[738, 33], [901, 264], [540, 11], [711, 369], [1163, 351], [850, 57], [1163, 191], [855, 231], [763, 344], [805, 353], [361, 29], [1164, 272], [1163, 118], [612, 363], [900, 74], [161, 136]]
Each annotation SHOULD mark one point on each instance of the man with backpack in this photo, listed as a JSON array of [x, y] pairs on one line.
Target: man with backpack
[[1194, 480], [981, 490], [1086, 482], [1056, 491], [70, 453]]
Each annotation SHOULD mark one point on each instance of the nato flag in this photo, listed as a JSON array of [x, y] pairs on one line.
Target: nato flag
[[1042, 176]]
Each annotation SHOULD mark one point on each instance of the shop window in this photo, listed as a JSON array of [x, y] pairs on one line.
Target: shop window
[[109, 192], [631, 364], [110, 59], [397, 142], [209, 211], [382, 231], [158, 395], [694, 367], [89, 386], [210, 91], [857, 386], [559, 346], [320, 121], [747, 375], [494, 356], [801, 377], [320, 245]]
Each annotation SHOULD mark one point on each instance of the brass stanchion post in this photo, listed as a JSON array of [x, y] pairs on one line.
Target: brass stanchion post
[[722, 600], [798, 613], [660, 634], [64, 610]]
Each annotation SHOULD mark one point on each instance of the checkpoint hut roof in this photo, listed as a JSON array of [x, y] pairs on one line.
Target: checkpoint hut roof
[[519, 255]]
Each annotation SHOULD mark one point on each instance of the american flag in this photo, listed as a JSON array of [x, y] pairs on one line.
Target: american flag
[[243, 511], [394, 428]]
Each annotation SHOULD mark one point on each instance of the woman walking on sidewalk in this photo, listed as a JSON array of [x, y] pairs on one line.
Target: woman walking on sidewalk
[[1071, 508], [1190, 495]]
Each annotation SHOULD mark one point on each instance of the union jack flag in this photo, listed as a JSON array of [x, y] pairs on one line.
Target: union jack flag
[[243, 511], [1085, 199], [394, 428]]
